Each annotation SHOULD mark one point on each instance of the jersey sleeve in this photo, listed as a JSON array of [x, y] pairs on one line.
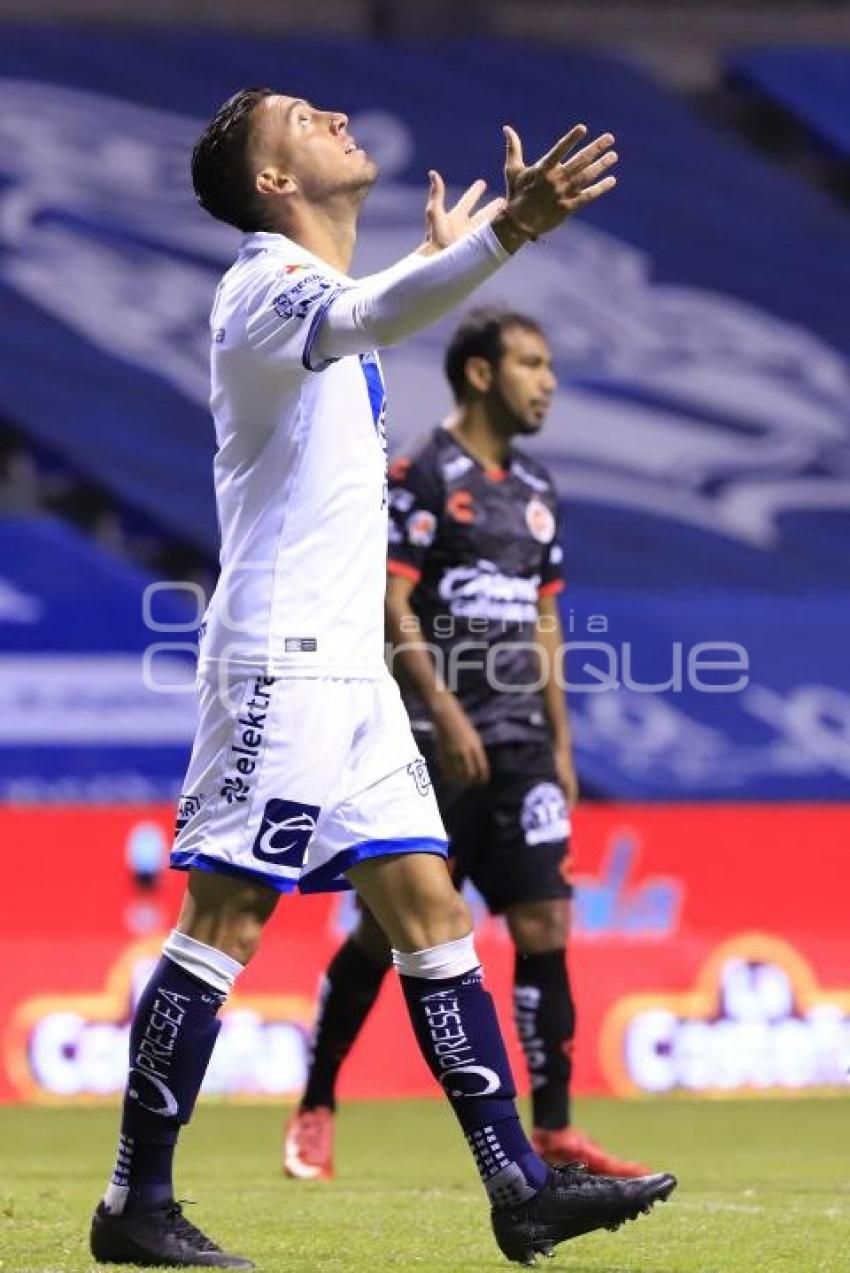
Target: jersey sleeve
[[286, 313], [552, 572], [415, 504]]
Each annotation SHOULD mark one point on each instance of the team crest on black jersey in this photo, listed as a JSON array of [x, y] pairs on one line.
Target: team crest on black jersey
[[540, 521], [421, 528]]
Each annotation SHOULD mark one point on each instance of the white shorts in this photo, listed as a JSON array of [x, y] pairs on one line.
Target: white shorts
[[293, 782]]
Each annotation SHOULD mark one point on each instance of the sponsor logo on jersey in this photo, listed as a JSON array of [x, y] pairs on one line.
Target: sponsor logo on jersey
[[401, 499], [421, 528], [285, 833], [418, 771], [456, 467], [540, 521], [483, 592], [296, 300], [544, 817], [460, 507], [531, 479]]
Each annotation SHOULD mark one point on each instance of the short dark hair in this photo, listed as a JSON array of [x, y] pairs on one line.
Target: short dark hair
[[221, 172], [480, 335]]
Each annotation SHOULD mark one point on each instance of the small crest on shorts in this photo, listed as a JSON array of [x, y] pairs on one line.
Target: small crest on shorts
[[187, 807], [418, 771], [544, 816]]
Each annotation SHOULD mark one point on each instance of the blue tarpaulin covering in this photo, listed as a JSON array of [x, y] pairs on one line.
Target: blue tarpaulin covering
[[698, 318], [810, 82]]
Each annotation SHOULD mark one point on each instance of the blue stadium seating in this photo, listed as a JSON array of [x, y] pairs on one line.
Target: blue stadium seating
[[811, 83], [78, 719]]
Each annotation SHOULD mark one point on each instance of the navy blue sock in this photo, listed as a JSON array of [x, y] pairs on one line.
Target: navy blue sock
[[172, 1036], [458, 1034]]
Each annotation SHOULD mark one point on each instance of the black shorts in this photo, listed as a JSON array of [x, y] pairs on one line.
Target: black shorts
[[509, 836]]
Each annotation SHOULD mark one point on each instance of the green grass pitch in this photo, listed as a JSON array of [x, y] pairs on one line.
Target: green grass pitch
[[764, 1185]]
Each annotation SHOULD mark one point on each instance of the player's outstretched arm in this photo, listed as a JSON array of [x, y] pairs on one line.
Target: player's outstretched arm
[[388, 307]]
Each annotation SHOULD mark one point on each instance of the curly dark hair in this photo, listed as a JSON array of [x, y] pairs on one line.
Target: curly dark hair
[[480, 336], [221, 172]]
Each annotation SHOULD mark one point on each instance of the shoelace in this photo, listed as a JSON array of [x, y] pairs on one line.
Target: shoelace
[[576, 1175], [183, 1228]]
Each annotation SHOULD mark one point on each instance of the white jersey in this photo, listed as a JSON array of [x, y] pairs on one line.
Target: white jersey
[[300, 477]]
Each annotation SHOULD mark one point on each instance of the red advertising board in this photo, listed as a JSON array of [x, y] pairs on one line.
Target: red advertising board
[[710, 955]]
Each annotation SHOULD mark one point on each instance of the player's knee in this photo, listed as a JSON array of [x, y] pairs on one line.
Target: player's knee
[[431, 920], [537, 927], [459, 917], [242, 936], [447, 919], [227, 914]]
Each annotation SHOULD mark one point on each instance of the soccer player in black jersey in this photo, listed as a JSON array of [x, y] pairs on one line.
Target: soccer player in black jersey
[[474, 569]]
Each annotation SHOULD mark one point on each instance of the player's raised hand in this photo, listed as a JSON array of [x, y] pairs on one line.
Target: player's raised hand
[[444, 226], [540, 196]]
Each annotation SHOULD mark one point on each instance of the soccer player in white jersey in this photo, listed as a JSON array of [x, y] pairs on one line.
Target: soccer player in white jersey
[[304, 774]]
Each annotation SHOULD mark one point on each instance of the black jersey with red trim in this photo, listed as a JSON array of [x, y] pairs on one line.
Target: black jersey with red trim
[[482, 546]]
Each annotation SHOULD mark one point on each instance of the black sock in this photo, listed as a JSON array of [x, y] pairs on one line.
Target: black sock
[[171, 1040], [349, 989], [545, 1018]]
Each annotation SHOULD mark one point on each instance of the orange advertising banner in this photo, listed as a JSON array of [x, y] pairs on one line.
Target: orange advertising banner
[[710, 955]]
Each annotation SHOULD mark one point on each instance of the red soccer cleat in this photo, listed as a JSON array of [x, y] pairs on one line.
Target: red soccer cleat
[[308, 1144], [568, 1145]]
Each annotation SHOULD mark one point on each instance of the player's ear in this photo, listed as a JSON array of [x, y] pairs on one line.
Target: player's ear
[[479, 374], [271, 180]]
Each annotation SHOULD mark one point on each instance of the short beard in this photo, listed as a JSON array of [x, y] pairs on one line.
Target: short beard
[[517, 425]]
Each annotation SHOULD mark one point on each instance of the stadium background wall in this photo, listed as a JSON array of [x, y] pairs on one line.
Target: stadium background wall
[[701, 964]]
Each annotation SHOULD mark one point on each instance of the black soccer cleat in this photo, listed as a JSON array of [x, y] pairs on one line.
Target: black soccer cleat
[[573, 1202], [159, 1237]]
